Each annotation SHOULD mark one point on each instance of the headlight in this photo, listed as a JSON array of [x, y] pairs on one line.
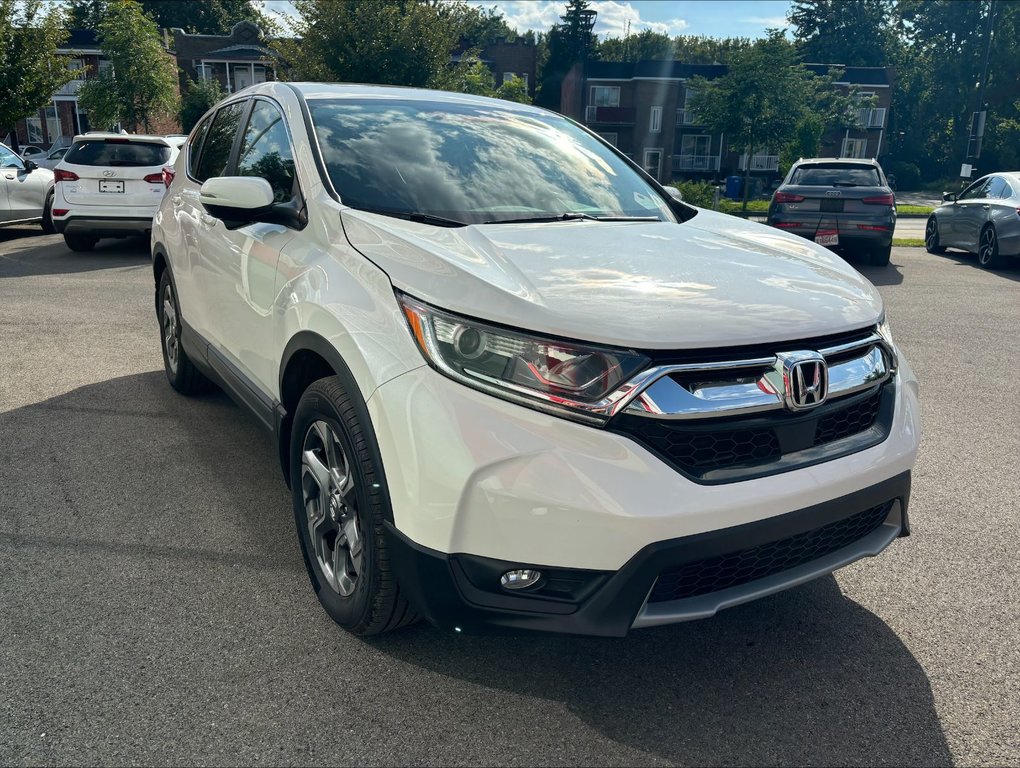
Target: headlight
[[884, 330], [575, 380]]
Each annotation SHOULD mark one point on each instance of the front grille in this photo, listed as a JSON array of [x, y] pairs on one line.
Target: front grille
[[735, 568], [739, 448]]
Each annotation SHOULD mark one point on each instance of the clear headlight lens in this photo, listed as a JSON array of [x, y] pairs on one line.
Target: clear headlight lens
[[570, 379]]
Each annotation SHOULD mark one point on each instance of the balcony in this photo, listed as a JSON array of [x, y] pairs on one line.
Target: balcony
[[686, 117], [760, 163], [69, 88], [610, 115], [695, 163], [871, 118]]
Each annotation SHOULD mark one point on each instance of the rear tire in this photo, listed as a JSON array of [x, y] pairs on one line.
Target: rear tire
[[988, 249], [879, 257], [339, 511], [932, 243], [180, 372], [47, 216], [80, 243]]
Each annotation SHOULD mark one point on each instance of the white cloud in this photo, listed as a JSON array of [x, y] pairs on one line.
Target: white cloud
[[766, 21], [540, 15]]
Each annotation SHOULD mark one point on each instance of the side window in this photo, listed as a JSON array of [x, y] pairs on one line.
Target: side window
[[975, 190], [1007, 190], [9, 160], [266, 151], [218, 141], [195, 146], [995, 188]]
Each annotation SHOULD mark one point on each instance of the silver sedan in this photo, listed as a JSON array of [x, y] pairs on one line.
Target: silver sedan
[[983, 219]]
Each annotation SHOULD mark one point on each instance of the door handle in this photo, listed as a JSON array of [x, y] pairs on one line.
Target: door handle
[[986, 207]]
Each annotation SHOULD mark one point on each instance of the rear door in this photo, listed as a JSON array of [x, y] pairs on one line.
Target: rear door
[[116, 171], [970, 213]]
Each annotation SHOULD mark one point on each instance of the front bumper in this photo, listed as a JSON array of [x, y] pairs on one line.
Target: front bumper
[[746, 562]]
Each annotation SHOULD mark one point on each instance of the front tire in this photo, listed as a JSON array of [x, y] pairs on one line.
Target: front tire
[[180, 372], [47, 217], [339, 512], [932, 243], [988, 249], [80, 243]]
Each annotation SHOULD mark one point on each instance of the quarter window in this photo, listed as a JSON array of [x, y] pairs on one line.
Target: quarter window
[[218, 142], [996, 188], [266, 151]]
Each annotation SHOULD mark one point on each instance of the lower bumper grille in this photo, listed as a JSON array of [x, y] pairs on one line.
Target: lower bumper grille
[[713, 574]]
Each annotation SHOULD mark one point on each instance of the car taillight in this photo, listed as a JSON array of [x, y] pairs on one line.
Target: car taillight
[[154, 178], [59, 211], [168, 175], [788, 225], [880, 200], [59, 174], [164, 177], [787, 197]]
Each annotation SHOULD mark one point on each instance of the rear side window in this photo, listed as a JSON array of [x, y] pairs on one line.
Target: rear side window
[[996, 188], [266, 151], [117, 153], [195, 145], [218, 141], [833, 175]]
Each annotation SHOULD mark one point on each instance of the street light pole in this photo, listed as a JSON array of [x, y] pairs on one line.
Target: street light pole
[[588, 16]]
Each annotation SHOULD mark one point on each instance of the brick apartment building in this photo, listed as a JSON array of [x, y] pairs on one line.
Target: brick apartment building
[[507, 58], [644, 109], [236, 60]]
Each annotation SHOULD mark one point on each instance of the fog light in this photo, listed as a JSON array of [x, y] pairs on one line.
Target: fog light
[[522, 579]]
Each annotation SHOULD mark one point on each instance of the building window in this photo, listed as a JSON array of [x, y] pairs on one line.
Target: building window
[[605, 96], [653, 162], [857, 148], [508, 76], [35, 135], [52, 124], [655, 120], [612, 138], [204, 71]]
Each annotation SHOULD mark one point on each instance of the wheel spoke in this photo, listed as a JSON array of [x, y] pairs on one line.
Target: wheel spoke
[[318, 471]]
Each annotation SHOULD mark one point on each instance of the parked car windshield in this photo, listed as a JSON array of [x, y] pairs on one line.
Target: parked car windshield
[[117, 152], [473, 163], [836, 175]]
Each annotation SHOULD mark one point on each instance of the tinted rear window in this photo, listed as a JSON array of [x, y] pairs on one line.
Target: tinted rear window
[[836, 176], [118, 153]]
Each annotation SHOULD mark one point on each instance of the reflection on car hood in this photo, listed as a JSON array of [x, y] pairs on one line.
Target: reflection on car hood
[[714, 281]]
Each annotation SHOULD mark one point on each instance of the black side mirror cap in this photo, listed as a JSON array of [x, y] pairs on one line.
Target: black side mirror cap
[[30, 165], [948, 197], [292, 215]]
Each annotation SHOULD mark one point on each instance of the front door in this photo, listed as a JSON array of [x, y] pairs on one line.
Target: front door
[[242, 77]]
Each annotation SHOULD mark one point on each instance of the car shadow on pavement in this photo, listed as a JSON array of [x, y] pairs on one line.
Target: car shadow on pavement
[[26, 251], [887, 275], [1009, 272], [806, 677]]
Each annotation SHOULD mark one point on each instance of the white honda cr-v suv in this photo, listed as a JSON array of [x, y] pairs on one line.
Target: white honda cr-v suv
[[514, 382]]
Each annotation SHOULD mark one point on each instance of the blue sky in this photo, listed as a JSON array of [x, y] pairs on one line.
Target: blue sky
[[715, 18]]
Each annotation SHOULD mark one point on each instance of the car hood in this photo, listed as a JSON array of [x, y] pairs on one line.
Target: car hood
[[713, 281]]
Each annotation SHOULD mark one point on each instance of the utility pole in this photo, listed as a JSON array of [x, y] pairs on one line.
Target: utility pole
[[980, 115]]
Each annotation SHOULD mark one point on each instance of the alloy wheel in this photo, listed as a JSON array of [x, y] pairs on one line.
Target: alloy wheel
[[170, 339], [986, 249], [931, 235], [328, 492]]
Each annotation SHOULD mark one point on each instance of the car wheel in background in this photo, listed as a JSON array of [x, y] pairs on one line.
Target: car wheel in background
[[339, 511], [47, 216], [180, 372], [931, 236], [80, 242], [879, 256], [988, 248]]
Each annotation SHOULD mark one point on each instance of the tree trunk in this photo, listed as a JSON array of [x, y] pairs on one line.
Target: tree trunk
[[747, 177], [14, 139]]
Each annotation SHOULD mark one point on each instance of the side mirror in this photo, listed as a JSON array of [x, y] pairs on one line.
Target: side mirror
[[240, 200], [674, 193], [948, 197], [30, 165]]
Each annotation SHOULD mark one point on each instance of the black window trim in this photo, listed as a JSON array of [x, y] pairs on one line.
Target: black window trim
[[246, 102], [299, 197]]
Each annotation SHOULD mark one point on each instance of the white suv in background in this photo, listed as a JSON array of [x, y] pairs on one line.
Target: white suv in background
[[26, 191], [109, 185], [513, 381]]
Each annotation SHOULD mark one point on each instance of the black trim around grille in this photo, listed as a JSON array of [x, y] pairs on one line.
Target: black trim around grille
[[726, 450], [734, 569]]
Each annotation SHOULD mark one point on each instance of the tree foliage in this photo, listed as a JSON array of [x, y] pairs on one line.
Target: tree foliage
[[142, 84], [565, 44], [30, 67], [855, 34], [198, 98], [204, 17], [399, 42], [471, 75], [656, 46]]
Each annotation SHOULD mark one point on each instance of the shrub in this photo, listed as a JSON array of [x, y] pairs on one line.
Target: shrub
[[199, 97], [699, 193], [908, 175]]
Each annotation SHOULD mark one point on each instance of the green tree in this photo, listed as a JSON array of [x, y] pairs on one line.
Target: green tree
[[199, 96], [643, 46], [30, 67], [142, 84], [399, 42], [479, 27], [85, 14], [699, 49], [854, 34], [471, 75], [514, 89], [566, 44], [204, 17], [759, 101]]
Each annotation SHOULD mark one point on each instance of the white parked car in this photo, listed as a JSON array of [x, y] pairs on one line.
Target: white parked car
[[109, 185], [31, 152], [512, 381], [53, 157], [26, 191]]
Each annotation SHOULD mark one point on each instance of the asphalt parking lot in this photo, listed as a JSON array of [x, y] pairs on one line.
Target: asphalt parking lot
[[154, 608]]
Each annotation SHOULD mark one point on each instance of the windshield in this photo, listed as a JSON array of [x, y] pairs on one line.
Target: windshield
[[836, 175], [473, 163], [118, 152]]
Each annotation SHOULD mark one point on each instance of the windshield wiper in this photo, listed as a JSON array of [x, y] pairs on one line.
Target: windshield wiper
[[417, 216], [570, 217]]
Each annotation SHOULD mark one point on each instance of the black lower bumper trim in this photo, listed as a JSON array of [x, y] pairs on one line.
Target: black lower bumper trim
[[461, 592]]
